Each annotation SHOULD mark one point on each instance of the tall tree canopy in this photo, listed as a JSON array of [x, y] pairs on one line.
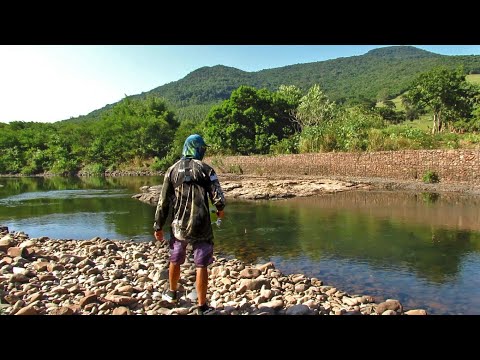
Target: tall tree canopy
[[314, 108], [250, 122], [445, 92]]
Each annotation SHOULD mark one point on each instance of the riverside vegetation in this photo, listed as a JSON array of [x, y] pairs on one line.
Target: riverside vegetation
[[412, 99]]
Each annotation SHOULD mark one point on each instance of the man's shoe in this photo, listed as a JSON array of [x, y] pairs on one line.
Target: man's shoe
[[205, 310], [170, 296]]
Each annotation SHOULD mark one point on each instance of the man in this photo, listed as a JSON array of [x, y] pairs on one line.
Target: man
[[187, 186]]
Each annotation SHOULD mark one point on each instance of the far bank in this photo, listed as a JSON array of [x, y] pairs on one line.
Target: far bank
[[454, 170], [451, 166]]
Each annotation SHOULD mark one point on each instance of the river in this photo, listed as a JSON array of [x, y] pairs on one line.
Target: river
[[420, 248]]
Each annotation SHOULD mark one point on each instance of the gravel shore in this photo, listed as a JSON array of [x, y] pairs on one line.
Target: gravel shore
[[43, 276], [101, 276]]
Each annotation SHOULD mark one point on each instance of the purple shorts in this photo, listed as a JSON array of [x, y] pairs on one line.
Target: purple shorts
[[202, 252]]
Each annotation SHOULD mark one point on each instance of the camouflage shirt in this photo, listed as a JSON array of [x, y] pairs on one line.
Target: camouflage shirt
[[187, 186]]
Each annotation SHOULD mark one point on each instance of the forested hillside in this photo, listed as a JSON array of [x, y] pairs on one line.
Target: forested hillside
[[351, 105], [389, 69], [380, 72]]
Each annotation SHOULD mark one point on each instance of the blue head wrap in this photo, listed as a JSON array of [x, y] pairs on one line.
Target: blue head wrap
[[194, 147]]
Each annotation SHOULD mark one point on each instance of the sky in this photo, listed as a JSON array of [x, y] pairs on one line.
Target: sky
[[49, 83]]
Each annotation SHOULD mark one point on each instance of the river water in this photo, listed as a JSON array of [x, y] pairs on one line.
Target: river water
[[420, 248]]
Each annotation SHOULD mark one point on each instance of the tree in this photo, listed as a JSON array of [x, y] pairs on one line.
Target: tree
[[315, 108], [445, 92], [250, 122], [291, 94]]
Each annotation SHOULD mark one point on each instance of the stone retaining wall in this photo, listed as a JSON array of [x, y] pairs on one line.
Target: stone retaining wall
[[451, 165]]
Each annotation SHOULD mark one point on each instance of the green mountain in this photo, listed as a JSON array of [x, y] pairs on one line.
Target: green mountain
[[387, 70]]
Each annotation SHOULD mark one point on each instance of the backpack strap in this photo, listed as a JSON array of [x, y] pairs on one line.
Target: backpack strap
[[184, 175]]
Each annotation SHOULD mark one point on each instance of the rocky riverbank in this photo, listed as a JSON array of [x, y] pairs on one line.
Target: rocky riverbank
[[274, 188], [264, 188], [43, 276]]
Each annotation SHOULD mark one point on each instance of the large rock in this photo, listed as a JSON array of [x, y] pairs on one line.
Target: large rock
[[260, 188]]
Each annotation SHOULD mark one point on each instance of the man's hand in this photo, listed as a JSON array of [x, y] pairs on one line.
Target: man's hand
[[158, 235]]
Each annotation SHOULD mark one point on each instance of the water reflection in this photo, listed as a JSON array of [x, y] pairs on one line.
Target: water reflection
[[326, 228], [12, 186], [420, 248], [430, 198], [390, 245], [77, 208]]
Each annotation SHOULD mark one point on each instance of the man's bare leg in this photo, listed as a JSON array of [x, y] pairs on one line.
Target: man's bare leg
[[173, 275], [202, 283]]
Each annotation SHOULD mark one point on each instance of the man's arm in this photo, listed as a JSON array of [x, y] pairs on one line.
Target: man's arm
[[163, 205], [215, 191]]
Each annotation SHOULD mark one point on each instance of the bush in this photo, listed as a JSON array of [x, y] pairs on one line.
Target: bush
[[447, 140], [28, 170], [235, 169], [430, 177], [64, 167], [329, 142], [94, 169], [164, 163], [286, 146], [375, 140], [157, 165], [160, 164], [470, 139]]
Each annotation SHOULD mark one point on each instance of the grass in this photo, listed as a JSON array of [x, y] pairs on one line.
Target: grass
[[473, 78], [425, 121], [398, 103]]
